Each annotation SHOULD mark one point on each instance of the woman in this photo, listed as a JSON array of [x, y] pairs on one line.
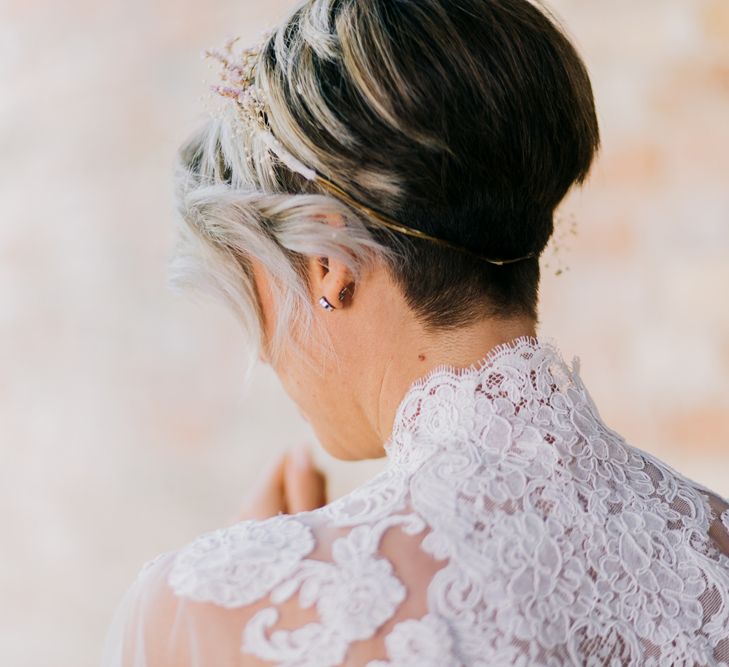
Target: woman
[[372, 201]]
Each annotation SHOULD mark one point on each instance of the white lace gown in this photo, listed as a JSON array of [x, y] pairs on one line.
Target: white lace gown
[[511, 526]]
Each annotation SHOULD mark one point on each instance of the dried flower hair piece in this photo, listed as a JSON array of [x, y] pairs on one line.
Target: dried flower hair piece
[[238, 74], [239, 79]]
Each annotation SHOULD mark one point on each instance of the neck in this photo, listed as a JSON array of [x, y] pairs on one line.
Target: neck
[[416, 355]]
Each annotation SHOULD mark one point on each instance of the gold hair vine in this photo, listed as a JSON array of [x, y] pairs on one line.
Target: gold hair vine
[[239, 84]]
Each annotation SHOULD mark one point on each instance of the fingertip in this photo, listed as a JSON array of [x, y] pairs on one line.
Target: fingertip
[[275, 469], [305, 483]]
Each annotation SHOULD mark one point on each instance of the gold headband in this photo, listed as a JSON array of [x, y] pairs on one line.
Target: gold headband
[[238, 75]]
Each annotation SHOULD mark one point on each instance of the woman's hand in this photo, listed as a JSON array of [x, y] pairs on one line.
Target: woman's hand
[[292, 483]]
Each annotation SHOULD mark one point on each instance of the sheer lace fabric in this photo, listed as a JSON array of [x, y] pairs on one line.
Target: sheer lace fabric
[[510, 526]]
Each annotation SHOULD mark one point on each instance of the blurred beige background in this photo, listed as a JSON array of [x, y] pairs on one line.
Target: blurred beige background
[[124, 428]]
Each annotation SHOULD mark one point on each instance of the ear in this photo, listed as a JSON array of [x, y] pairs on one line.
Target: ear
[[329, 277]]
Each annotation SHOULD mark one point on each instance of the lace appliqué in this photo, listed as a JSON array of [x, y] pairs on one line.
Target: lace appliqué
[[353, 595], [239, 565], [560, 543], [425, 642]]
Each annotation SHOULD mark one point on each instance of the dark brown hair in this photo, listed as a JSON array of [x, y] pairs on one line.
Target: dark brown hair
[[466, 119], [480, 116]]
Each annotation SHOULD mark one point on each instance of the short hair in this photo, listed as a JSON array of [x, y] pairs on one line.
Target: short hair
[[467, 119]]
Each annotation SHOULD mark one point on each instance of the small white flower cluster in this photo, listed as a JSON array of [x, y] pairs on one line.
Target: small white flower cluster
[[565, 226]]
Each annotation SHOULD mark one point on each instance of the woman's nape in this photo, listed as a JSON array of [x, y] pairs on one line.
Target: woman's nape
[[350, 392]]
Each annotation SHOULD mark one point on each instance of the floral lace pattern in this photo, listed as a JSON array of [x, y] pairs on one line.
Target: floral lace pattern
[[553, 541], [238, 565]]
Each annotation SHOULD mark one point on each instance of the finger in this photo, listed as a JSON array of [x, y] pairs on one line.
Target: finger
[[304, 483], [267, 498]]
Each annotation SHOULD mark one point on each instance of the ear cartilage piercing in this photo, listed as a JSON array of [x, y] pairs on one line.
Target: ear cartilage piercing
[[343, 292], [324, 303]]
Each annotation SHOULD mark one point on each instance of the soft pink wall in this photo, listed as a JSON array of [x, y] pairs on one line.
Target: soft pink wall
[[123, 427]]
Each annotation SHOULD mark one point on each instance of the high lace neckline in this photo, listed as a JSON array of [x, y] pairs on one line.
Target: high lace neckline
[[516, 376]]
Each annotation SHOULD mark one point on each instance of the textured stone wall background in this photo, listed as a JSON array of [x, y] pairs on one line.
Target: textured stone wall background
[[124, 430]]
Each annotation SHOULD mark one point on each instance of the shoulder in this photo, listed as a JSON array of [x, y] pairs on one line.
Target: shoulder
[[315, 587], [312, 587]]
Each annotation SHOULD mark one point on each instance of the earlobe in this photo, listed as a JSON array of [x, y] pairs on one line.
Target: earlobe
[[328, 306], [333, 283]]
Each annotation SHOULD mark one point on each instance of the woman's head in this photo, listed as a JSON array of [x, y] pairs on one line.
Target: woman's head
[[466, 119]]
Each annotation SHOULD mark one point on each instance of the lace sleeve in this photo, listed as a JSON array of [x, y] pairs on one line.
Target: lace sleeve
[[153, 627]]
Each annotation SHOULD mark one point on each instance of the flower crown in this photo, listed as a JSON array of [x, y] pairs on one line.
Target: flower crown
[[238, 78]]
